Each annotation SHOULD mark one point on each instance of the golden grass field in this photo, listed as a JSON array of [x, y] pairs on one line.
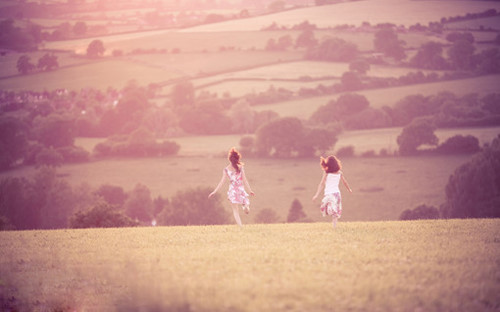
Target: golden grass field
[[432, 266]]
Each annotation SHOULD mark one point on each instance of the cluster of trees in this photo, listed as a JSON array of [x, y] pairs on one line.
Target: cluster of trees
[[38, 140], [45, 63], [19, 39], [461, 56], [48, 202], [140, 143], [472, 191], [421, 132], [289, 137], [446, 110]]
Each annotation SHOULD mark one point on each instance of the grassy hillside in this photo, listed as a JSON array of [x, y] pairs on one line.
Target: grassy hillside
[[445, 265]]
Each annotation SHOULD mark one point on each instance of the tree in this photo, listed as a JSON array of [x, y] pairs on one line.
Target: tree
[[419, 213], [430, 56], [95, 48], [473, 190], [183, 94], [80, 28], [296, 212], [139, 204], [351, 81], [242, 117], [461, 54], [48, 62], [387, 42], [101, 215], [191, 207], [49, 157], [456, 36], [13, 141], [51, 199], [306, 39], [336, 111], [266, 215], [55, 130], [317, 139], [360, 66], [333, 49], [114, 195], [419, 131], [459, 144], [24, 64], [279, 137]]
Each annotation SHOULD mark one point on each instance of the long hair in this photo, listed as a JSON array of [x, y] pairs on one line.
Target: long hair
[[331, 164], [234, 157]]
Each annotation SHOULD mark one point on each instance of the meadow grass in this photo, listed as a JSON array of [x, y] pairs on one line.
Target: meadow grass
[[439, 265], [99, 75], [382, 187]]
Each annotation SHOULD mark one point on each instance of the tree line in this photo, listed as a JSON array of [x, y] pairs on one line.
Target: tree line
[[472, 191]]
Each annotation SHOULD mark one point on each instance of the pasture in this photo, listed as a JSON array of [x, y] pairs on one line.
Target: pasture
[[432, 266], [398, 12], [378, 98], [382, 187]]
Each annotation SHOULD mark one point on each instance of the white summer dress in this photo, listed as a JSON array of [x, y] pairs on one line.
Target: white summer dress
[[331, 204], [236, 193]]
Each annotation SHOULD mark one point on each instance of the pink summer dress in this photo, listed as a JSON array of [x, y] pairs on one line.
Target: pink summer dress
[[332, 201], [236, 193]]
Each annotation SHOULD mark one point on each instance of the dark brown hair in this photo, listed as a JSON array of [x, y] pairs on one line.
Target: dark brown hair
[[331, 164], [234, 157]]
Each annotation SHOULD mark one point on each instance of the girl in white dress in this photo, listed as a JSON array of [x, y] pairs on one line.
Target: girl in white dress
[[332, 175], [236, 193]]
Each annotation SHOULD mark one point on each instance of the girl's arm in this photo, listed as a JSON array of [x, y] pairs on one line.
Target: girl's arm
[[222, 180], [246, 181], [345, 182], [321, 185]]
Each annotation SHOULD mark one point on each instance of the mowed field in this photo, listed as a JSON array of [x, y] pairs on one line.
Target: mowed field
[[432, 266]]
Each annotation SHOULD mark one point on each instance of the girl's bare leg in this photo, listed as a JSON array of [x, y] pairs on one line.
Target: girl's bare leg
[[334, 222], [236, 214]]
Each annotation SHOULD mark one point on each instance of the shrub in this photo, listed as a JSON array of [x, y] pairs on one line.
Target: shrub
[[419, 131], [266, 215], [369, 153], [49, 157], [296, 212], [473, 190], [74, 154], [459, 144], [420, 212], [346, 151], [113, 195], [101, 215], [139, 204], [191, 207]]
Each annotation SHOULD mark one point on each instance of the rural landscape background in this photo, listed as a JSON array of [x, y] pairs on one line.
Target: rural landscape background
[[119, 115]]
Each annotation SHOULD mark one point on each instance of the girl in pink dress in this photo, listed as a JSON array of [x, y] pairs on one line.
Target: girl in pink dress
[[332, 201], [237, 182]]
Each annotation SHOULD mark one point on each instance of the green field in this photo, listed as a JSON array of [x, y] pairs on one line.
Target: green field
[[378, 98], [432, 266], [398, 12], [382, 187]]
